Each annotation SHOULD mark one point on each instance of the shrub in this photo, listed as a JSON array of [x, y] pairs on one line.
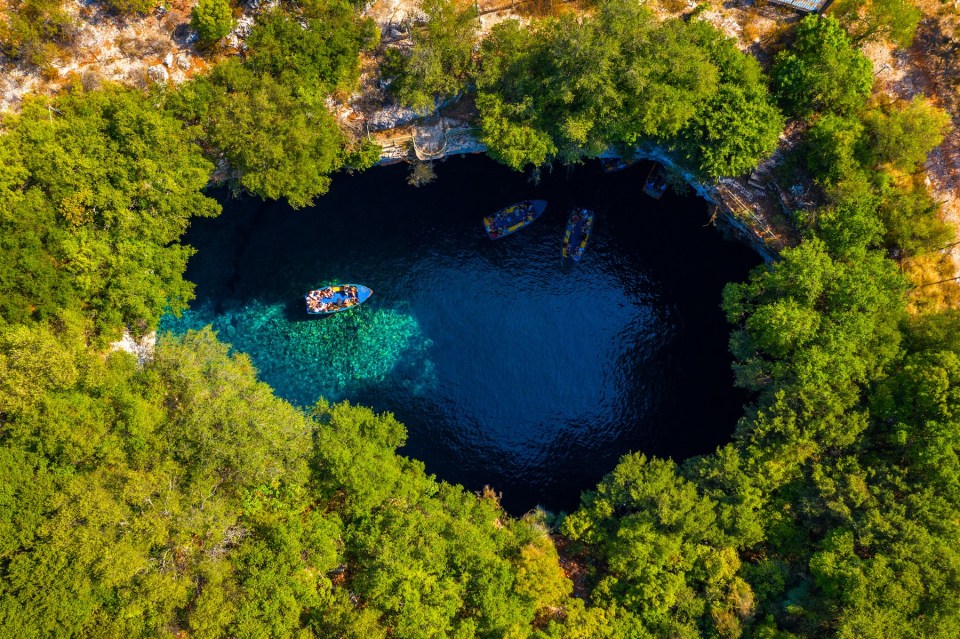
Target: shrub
[[212, 20]]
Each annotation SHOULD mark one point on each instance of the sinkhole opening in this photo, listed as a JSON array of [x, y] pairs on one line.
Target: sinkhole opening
[[507, 369]]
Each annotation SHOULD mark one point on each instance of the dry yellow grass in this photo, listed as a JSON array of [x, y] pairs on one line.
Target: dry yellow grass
[[927, 273]]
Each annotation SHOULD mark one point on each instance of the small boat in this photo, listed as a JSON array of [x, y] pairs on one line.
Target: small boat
[[513, 218], [612, 165], [656, 183], [579, 226], [333, 299]]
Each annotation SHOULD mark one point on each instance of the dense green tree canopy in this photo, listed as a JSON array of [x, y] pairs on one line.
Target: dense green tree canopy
[[735, 130], [894, 20], [268, 118], [314, 46], [440, 57], [903, 137], [184, 494], [280, 142], [663, 556], [96, 191], [822, 71], [571, 87], [212, 20], [176, 495], [860, 160]]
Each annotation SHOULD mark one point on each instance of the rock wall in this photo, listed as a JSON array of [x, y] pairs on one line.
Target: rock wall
[[461, 141]]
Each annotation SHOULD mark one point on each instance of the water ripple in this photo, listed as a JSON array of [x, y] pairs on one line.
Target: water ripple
[[505, 369]]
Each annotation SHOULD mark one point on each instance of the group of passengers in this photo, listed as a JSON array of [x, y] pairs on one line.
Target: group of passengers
[[511, 215], [322, 301]]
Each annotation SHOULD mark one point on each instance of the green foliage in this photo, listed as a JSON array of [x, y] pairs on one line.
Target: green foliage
[[457, 574], [268, 118], [664, 557], [440, 58], [34, 30], [894, 20], [811, 332], [133, 480], [315, 48], [567, 88], [833, 147], [514, 144], [539, 576], [851, 223], [902, 137], [734, 131], [212, 20], [184, 493], [918, 410], [933, 331], [95, 198], [364, 155], [853, 445], [178, 496], [822, 71], [868, 207], [280, 141], [131, 7], [912, 220]]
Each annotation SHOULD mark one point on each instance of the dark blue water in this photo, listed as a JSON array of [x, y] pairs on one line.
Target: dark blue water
[[506, 370]]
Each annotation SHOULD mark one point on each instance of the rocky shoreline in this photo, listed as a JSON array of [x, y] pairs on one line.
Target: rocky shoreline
[[459, 140]]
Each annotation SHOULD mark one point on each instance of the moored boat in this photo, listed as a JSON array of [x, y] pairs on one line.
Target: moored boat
[[612, 165], [575, 238], [333, 299], [656, 183], [513, 218]]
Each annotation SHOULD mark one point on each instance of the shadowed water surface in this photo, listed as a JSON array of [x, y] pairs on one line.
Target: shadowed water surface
[[506, 370]]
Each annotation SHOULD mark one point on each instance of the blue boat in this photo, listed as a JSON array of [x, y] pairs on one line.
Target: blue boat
[[656, 183], [511, 219], [333, 299], [579, 226]]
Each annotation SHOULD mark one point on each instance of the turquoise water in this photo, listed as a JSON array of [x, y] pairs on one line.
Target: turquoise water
[[332, 357], [506, 369]]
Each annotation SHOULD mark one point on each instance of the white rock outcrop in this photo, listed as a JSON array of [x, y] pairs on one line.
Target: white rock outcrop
[[158, 73], [142, 348]]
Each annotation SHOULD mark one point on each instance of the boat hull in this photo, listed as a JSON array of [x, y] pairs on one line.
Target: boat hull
[[511, 219], [656, 183], [333, 299], [577, 234], [612, 165]]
